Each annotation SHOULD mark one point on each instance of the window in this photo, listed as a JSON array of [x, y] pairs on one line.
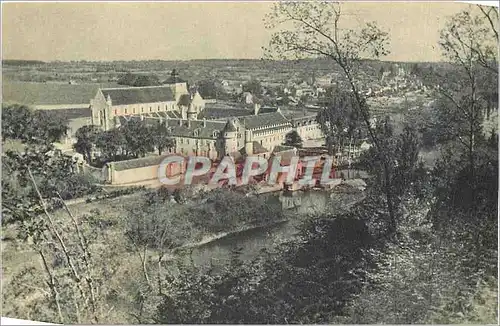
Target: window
[[134, 110], [142, 109], [216, 133], [116, 111], [125, 111], [150, 110]]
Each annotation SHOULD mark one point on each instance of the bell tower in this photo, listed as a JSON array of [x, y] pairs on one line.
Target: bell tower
[[179, 85]]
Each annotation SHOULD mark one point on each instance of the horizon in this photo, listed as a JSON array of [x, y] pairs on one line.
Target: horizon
[[175, 31], [211, 59]]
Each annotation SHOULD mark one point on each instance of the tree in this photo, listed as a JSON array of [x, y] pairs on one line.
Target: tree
[[146, 80], [138, 138], [111, 144], [312, 29], [339, 121], [16, 119], [127, 79], [86, 139], [469, 40], [161, 138], [208, 88], [23, 123], [34, 183], [253, 86], [301, 283], [53, 127], [293, 139]]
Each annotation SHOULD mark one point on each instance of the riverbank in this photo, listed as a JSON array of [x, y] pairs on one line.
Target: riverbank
[[113, 250]]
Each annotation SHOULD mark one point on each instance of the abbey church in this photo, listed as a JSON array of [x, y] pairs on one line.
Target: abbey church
[[172, 97]]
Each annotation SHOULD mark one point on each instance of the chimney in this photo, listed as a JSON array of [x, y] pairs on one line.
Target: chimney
[[256, 108], [204, 123]]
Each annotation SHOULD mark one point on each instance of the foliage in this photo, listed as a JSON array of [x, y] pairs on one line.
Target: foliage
[[219, 210], [86, 138], [111, 143], [161, 138], [253, 86], [312, 29], [305, 283], [209, 89], [28, 125], [54, 175], [139, 80], [132, 140], [293, 139], [339, 121]]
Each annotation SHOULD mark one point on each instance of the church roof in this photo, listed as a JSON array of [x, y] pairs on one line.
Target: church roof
[[263, 120], [218, 112], [268, 109], [230, 127], [136, 95], [182, 128], [257, 149], [185, 100]]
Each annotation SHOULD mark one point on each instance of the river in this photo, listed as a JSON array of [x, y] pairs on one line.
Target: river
[[296, 206]]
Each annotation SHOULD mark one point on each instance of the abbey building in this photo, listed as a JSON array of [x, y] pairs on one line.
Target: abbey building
[[174, 97], [260, 131]]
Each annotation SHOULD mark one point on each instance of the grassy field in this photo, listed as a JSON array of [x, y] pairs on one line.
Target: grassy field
[[49, 93]]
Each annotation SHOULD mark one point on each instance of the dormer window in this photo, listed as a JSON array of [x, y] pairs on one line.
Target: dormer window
[[196, 132], [216, 134]]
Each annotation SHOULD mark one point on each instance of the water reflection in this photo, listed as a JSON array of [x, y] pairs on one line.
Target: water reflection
[[296, 206]]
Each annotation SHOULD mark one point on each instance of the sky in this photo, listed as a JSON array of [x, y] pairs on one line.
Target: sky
[[193, 30]]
